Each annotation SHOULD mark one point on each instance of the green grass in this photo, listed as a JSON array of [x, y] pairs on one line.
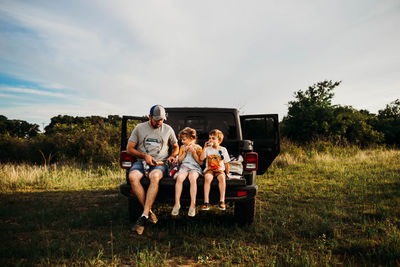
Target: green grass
[[316, 206]]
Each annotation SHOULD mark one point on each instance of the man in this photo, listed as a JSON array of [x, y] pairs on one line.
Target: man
[[149, 143]]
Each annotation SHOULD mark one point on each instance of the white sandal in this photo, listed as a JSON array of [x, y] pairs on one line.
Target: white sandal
[[175, 210], [192, 212]]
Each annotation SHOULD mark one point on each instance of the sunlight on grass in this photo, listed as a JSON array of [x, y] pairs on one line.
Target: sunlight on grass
[[29, 178], [316, 206]]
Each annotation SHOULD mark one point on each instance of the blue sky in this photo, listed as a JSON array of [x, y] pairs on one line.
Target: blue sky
[[85, 58]]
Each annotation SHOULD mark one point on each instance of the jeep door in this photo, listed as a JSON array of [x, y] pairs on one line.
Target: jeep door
[[263, 130]]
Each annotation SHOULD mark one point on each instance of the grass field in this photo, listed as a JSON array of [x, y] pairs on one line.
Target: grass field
[[315, 207]]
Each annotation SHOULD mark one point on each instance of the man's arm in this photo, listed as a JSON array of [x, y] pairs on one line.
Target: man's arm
[[174, 153], [131, 149]]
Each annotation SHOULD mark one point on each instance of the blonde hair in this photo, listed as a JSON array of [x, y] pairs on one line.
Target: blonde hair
[[218, 134], [188, 132]]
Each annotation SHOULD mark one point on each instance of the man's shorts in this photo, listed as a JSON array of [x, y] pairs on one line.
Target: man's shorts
[[138, 165]]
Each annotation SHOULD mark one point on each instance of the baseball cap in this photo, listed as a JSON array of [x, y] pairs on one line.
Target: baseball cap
[[158, 113]]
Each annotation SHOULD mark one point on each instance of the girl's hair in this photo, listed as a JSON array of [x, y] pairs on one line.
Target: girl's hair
[[218, 134], [188, 132]]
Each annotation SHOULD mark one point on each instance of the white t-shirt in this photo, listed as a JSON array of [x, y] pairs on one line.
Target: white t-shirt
[[153, 141], [215, 158]]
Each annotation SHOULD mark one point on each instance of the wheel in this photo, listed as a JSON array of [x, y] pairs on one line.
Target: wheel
[[244, 211], [135, 209]]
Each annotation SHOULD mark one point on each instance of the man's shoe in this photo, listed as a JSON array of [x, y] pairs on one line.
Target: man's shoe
[[221, 205], [139, 225], [175, 210], [152, 218], [206, 206]]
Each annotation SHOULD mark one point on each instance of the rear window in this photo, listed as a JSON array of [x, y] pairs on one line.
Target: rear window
[[258, 128], [203, 123]]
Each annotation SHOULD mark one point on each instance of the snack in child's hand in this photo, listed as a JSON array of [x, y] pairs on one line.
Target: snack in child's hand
[[159, 163]]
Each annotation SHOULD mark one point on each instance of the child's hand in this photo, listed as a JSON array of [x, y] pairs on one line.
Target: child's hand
[[208, 144], [191, 149]]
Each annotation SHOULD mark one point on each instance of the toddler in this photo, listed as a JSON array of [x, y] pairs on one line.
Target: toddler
[[217, 159], [189, 158]]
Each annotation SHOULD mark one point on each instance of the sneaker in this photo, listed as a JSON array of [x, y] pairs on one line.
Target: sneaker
[[192, 212], [152, 218], [175, 210], [206, 206], [221, 205], [139, 225]]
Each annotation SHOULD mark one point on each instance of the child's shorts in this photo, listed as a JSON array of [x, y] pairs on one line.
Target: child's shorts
[[184, 168], [215, 173]]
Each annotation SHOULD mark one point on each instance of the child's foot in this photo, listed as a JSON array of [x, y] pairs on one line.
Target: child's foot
[[221, 205], [175, 210], [192, 212], [206, 206]]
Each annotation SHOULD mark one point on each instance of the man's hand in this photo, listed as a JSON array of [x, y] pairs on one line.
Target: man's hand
[[150, 160], [172, 159], [174, 153]]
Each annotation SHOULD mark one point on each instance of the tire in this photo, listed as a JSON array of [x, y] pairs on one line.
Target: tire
[[244, 211], [135, 209]]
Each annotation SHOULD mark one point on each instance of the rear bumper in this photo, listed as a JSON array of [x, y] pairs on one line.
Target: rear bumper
[[236, 191]]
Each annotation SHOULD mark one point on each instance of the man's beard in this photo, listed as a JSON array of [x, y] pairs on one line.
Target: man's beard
[[155, 126]]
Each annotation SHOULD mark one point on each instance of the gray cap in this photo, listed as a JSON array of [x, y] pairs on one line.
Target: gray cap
[[158, 113]]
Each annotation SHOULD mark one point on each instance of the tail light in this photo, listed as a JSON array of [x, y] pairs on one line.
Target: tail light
[[241, 193], [250, 161], [125, 160]]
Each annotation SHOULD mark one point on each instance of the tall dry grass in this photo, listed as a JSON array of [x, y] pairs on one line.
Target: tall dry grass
[[28, 178]]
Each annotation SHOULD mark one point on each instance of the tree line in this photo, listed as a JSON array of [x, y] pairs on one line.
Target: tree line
[[311, 116], [95, 140]]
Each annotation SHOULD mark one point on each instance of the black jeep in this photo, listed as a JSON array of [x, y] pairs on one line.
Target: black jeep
[[252, 140]]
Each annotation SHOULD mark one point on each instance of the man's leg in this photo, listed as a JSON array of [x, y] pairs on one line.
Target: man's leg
[[134, 177], [155, 177]]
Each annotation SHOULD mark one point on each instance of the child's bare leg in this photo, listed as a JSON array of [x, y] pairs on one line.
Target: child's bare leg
[[178, 187], [207, 183], [221, 186], [193, 175]]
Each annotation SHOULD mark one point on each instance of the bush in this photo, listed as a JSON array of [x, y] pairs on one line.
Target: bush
[[311, 116], [389, 123], [92, 141]]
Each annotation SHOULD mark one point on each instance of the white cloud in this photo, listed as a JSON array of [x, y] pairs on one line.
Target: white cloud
[[129, 55], [32, 91]]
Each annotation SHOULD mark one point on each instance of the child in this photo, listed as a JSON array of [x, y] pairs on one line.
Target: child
[[189, 158], [217, 159]]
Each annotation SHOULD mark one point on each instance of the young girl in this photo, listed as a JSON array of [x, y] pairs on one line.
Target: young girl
[[189, 158], [217, 159]]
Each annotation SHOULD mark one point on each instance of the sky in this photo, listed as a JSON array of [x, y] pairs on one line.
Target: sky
[[94, 57]]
